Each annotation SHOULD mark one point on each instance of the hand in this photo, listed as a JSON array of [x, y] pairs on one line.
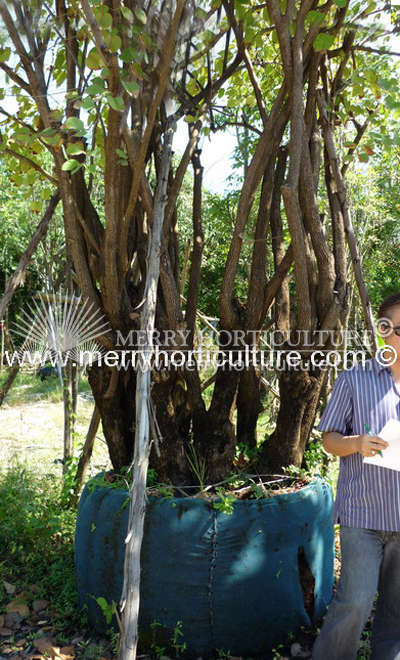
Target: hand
[[370, 445]]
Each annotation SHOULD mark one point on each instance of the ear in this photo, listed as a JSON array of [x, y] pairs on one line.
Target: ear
[[384, 327]]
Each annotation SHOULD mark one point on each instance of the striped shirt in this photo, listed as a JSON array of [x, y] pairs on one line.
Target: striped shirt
[[368, 496]]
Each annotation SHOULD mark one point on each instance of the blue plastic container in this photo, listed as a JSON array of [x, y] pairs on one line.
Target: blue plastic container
[[233, 580]]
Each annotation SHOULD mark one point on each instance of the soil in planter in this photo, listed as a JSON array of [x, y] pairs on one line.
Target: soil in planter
[[252, 487]]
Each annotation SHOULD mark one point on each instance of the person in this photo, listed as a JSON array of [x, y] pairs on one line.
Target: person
[[367, 504]]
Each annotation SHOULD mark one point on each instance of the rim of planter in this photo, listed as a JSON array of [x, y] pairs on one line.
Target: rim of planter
[[292, 494]]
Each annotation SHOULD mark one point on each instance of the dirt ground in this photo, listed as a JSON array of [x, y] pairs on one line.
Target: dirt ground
[[32, 434]]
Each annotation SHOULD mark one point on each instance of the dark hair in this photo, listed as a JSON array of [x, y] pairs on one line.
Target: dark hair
[[385, 308]]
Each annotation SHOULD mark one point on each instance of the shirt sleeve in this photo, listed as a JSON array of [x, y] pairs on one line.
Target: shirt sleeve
[[338, 414]]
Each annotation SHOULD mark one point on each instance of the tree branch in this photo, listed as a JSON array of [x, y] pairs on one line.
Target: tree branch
[[163, 74], [18, 275], [341, 191], [31, 164]]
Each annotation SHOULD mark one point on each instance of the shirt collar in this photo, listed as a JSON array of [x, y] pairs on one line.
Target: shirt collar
[[378, 366]]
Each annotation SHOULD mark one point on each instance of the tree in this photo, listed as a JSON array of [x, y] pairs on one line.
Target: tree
[[127, 71]]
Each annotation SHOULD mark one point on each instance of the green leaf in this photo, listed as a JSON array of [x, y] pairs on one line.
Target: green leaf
[[114, 43], [130, 86], [340, 3], [140, 15], [315, 17], [23, 138], [116, 103], [391, 103], [138, 71], [127, 14], [71, 165], [102, 603], [94, 60], [74, 124], [31, 178], [358, 90], [17, 179], [87, 103], [103, 18], [145, 40], [55, 139], [389, 84], [75, 148], [323, 41], [36, 206], [48, 132], [95, 89], [387, 143], [45, 193], [370, 77], [128, 55], [122, 154], [57, 115], [5, 54]]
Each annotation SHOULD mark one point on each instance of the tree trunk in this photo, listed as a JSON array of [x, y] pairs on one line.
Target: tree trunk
[[18, 276], [299, 397], [114, 394], [12, 374], [85, 456], [249, 407], [137, 508], [217, 440], [68, 415]]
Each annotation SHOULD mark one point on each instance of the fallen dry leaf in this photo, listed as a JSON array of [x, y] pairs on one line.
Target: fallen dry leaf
[[33, 588], [17, 606], [20, 642], [40, 605], [12, 620], [67, 652], [7, 650], [46, 645], [30, 622], [23, 595], [5, 631], [10, 588]]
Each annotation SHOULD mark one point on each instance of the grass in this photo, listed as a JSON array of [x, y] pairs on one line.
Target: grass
[[36, 541], [27, 388]]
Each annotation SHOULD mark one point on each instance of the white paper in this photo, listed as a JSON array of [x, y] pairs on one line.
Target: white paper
[[391, 455]]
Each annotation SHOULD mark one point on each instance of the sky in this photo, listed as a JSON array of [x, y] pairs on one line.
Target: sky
[[215, 156]]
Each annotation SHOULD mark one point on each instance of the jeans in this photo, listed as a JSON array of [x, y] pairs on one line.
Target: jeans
[[370, 563]]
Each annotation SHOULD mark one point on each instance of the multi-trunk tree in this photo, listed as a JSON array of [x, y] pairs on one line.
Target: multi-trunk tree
[[100, 83]]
